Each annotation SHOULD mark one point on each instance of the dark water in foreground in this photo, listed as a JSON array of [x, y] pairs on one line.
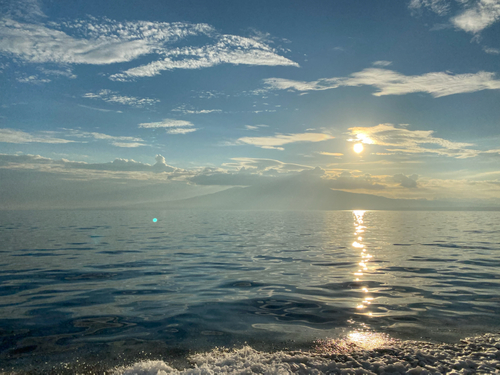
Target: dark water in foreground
[[114, 286]]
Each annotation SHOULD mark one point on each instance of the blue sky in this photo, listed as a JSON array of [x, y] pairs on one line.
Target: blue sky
[[189, 97]]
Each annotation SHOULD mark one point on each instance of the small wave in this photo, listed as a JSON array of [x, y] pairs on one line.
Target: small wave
[[458, 246], [478, 355]]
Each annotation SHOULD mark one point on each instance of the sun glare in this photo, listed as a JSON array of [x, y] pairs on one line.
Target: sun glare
[[358, 147]]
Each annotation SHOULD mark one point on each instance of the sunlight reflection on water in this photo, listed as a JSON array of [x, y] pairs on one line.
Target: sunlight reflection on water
[[89, 279], [365, 258]]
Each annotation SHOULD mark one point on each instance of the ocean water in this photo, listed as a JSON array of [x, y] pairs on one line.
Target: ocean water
[[100, 291]]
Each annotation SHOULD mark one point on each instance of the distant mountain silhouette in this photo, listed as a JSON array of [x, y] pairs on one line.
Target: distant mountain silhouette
[[298, 193]]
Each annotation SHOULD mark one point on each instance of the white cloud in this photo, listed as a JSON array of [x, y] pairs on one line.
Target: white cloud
[[172, 126], [128, 145], [389, 82], [413, 141], [101, 42], [181, 130], [492, 51], [32, 79], [481, 15], [331, 153], [112, 97], [107, 42], [382, 63], [63, 165], [440, 7], [75, 133], [60, 136], [98, 109], [274, 142], [12, 160], [111, 137], [24, 9], [229, 49], [58, 72], [166, 123], [255, 127], [185, 111], [18, 136], [477, 15], [264, 166]]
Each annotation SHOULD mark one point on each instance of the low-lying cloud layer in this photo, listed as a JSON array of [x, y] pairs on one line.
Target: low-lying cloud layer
[[82, 184], [63, 165]]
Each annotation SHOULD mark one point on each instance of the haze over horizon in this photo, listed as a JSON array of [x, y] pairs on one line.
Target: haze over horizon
[[120, 104]]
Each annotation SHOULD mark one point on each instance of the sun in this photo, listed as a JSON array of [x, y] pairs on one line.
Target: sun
[[358, 147]]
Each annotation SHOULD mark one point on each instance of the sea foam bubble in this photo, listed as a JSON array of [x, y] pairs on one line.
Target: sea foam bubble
[[476, 355]]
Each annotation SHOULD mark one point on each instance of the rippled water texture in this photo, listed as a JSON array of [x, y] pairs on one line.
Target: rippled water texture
[[117, 282]]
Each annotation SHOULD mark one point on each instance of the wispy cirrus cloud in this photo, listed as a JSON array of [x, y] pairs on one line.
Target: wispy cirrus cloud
[[183, 109], [255, 127], [46, 73], [278, 140], [34, 79], [113, 97], [172, 126], [331, 153], [19, 136], [118, 141], [181, 130], [83, 134], [382, 63], [128, 145], [412, 141], [98, 109], [29, 10], [389, 82], [67, 136], [228, 49], [492, 51], [166, 123], [103, 41], [93, 42], [440, 7]]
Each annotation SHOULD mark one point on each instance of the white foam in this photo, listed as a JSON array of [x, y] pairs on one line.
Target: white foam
[[478, 355]]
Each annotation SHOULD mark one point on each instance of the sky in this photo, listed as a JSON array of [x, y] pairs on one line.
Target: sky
[[117, 102]]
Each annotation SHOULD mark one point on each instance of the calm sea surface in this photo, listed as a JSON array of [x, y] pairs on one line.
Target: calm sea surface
[[95, 285]]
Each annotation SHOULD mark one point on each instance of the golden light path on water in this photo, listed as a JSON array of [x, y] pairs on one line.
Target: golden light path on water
[[364, 257], [359, 338]]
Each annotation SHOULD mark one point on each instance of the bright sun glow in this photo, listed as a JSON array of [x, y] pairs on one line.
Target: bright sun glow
[[358, 147], [364, 138]]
